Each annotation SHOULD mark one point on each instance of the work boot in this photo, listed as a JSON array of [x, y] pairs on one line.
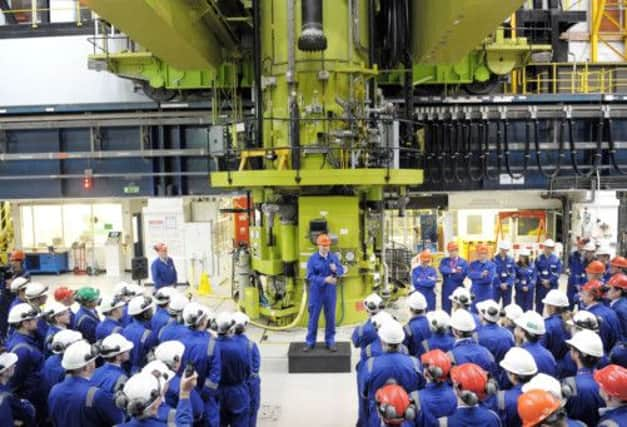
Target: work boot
[[332, 348], [307, 348]]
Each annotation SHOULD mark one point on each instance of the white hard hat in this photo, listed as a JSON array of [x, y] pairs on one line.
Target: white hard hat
[[373, 303], [463, 321], [139, 304], [417, 301], [461, 295], [380, 318], [178, 301], [438, 319], [549, 243], [240, 319], [590, 247], [531, 322], [115, 344], [604, 250], [584, 319], [63, 339], [110, 303], [133, 289], [170, 352], [142, 388], [513, 311], [587, 342], [544, 382], [163, 295], [490, 310], [54, 308], [6, 361], [519, 361], [21, 312], [78, 355], [159, 370], [556, 298], [224, 322], [391, 332], [19, 283], [524, 252], [505, 245], [194, 313], [122, 289], [35, 290]]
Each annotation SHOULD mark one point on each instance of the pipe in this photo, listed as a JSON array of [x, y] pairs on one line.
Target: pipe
[[258, 72], [371, 47], [295, 322], [312, 38], [294, 127]]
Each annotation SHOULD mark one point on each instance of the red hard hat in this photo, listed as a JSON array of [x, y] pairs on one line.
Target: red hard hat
[[438, 359], [323, 240], [470, 377], [613, 380], [452, 246], [594, 287], [425, 256], [595, 267], [392, 401], [482, 249], [618, 281], [17, 255], [535, 406], [160, 247], [63, 293], [619, 261]]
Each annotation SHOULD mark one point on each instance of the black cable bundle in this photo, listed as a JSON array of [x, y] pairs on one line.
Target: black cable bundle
[[396, 37]]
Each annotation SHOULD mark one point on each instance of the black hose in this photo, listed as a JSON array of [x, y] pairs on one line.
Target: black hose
[[610, 140], [312, 38], [258, 71], [469, 154], [486, 152], [598, 153], [372, 52], [435, 150], [560, 153], [507, 153], [572, 148], [460, 152], [446, 152]]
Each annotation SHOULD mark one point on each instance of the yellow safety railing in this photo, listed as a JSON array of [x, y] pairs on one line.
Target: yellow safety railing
[[31, 13], [7, 234]]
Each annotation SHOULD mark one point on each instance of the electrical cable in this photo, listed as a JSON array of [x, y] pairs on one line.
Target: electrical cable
[[598, 154], [446, 152], [612, 146], [560, 153], [507, 153], [435, 151], [572, 148], [460, 149], [470, 155], [485, 157]]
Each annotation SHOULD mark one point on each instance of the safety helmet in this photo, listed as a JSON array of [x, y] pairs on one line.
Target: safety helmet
[[417, 301], [115, 344], [391, 332], [452, 246], [63, 339], [6, 361], [531, 322], [160, 247], [140, 392], [462, 296], [524, 252], [519, 361], [425, 256], [587, 342], [170, 353], [240, 319], [619, 261], [536, 406], [380, 318], [110, 303], [224, 322], [87, 295], [35, 290], [54, 308], [17, 255], [323, 240], [373, 303], [483, 249], [590, 247], [19, 283], [462, 320], [178, 302], [78, 355], [394, 405], [471, 378], [160, 370], [513, 311], [194, 313], [438, 319], [604, 250], [595, 288], [437, 363], [584, 319], [63, 293], [618, 281], [122, 289], [556, 298], [546, 382], [22, 312], [549, 243], [163, 295], [139, 304], [595, 267], [505, 245], [613, 381], [490, 310]]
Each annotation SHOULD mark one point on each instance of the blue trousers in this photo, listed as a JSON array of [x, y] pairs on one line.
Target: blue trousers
[[573, 295], [321, 297], [541, 292], [447, 290], [429, 294], [524, 299], [481, 292], [505, 295], [212, 410], [254, 388], [234, 405], [5, 303]]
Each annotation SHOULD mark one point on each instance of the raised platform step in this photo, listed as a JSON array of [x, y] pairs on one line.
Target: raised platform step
[[319, 359]]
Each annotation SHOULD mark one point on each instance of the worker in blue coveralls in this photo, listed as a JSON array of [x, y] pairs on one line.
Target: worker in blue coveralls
[[528, 333], [481, 272], [525, 280], [13, 411], [254, 381], [577, 262], [610, 328], [548, 270], [323, 272], [16, 259], [505, 274], [612, 382], [556, 328], [466, 348], [424, 277], [497, 339], [454, 270], [417, 329], [603, 255], [438, 398], [162, 268], [617, 294]]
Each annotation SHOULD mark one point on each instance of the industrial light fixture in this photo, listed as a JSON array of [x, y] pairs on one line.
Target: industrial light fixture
[[88, 179]]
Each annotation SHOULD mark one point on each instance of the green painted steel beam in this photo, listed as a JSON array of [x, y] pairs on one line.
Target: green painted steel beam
[[446, 30]]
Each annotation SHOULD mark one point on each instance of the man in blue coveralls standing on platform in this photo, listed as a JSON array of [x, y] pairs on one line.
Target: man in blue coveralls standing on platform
[[323, 272], [548, 268], [162, 269]]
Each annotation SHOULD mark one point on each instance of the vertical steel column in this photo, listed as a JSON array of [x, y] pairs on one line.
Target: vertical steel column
[[597, 9], [621, 231]]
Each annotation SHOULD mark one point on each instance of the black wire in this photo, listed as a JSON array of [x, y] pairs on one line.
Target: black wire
[[598, 154], [486, 153], [435, 149], [612, 146], [560, 155], [572, 148], [446, 153], [470, 155], [507, 153], [460, 152]]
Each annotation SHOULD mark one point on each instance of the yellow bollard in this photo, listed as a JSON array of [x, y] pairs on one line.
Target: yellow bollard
[[204, 287]]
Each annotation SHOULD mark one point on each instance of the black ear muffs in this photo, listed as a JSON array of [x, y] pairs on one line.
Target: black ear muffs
[[493, 311], [567, 391], [491, 386], [435, 372], [106, 351], [57, 347], [120, 400], [469, 398]]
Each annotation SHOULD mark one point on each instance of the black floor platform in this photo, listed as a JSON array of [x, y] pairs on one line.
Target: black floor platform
[[318, 360]]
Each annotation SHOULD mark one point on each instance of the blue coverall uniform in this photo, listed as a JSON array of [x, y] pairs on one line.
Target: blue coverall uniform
[[554, 340], [13, 409], [585, 401], [143, 340], [53, 372], [547, 268], [50, 333], [172, 399], [364, 334], [467, 350], [434, 401], [107, 327], [163, 273], [482, 274], [438, 340], [620, 308], [525, 278], [254, 381], [236, 369], [618, 355], [505, 275], [126, 318], [613, 417], [6, 301], [416, 331], [322, 295], [577, 277], [506, 405], [544, 359], [76, 403], [471, 416], [498, 341], [173, 331], [610, 329], [181, 416], [423, 278], [202, 351], [159, 320], [86, 322], [454, 271], [109, 378]]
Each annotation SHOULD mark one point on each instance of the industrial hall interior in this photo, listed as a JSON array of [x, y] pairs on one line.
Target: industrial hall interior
[[313, 213]]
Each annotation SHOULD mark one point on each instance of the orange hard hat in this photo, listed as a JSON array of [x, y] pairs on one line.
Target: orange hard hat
[[425, 256], [452, 246], [613, 380], [160, 247], [17, 255], [323, 240], [535, 406], [619, 261], [482, 249], [618, 281], [595, 267], [392, 402], [437, 363], [470, 377], [63, 293], [594, 287]]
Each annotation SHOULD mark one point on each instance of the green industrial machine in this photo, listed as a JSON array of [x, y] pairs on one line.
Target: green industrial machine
[[328, 152]]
